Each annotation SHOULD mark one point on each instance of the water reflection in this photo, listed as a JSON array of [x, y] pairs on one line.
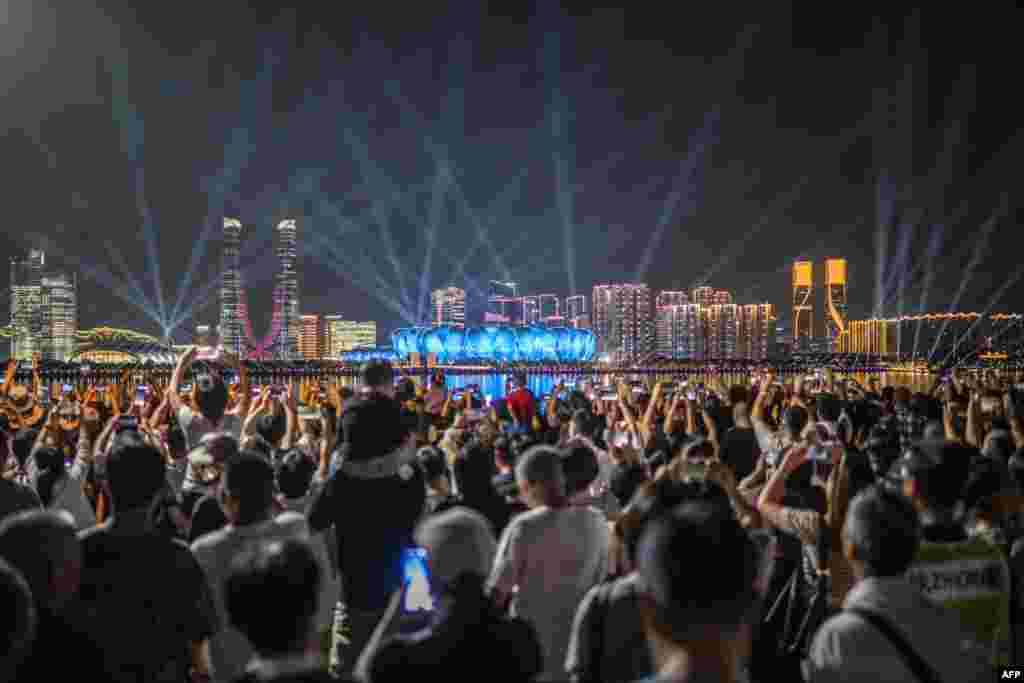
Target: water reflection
[[493, 385]]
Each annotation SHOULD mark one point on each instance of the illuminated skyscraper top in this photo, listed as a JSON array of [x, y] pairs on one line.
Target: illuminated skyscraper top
[[709, 296], [449, 306], [232, 326], [623, 322], [503, 303], [835, 302], [669, 298], [803, 305], [288, 324]]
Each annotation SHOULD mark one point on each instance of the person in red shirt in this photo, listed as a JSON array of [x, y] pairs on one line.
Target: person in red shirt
[[521, 403]]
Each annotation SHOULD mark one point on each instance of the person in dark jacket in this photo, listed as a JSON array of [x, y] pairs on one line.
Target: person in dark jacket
[[374, 500]]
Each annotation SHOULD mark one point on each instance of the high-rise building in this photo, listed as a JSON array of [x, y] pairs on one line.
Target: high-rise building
[[549, 309], [26, 305], [346, 335], [721, 324], [311, 339], [287, 321], [679, 332], [60, 316], [803, 305], [44, 310], [623, 320], [575, 308], [669, 298], [756, 333], [232, 319], [531, 310], [449, 307], [709, 296], [835, 303], [504, 305]]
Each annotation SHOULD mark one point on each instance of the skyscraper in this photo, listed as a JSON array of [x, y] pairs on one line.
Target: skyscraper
[[44, 310], [835, 303], [756, 333], [503, 303], [232, 325], [531, 310], [623, 320], [449, 307], [59, 316], [670, 298], [549, 309], [26, 301], [345, 335], [679, 332], [575, 308], [311, 339], [709, 296], [287, 321], [803, 306]]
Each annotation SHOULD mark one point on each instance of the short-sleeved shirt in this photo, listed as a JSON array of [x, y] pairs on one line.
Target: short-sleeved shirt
[[146, 600], [548, 559]]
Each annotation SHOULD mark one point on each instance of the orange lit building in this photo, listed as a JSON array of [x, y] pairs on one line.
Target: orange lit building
[[803, 305], [835, 303], [311, 337]]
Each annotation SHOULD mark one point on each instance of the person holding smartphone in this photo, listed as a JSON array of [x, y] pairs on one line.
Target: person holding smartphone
[[453, 554]]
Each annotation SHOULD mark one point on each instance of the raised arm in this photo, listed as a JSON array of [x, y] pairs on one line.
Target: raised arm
[[179, 373], [974, 420], [245, 396], [291, 414]]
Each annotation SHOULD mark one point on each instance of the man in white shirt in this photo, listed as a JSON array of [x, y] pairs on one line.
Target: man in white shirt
[[248, 500], [549, 557], [211, 398]]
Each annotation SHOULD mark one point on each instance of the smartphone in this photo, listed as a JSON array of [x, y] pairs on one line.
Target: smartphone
[[691, 395], [309, 413], [127, 423], [488, 399], [209, 354], [141, 393], [417, 598], [185, 388]]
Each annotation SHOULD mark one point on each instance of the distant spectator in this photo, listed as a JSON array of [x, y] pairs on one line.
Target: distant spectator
[[43, 548], [15, 496], [435, 474], [210, 397], [739, 444], [272, 597], [60, 487], [880, 538], [549, 557], [474, 475], [460, 548], [206, 466], [248, 500], [521, 403]]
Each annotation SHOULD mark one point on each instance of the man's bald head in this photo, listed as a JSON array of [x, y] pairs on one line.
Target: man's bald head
[[44, 547]]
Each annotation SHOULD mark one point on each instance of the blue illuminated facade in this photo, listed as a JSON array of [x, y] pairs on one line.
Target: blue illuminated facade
[[496, 343], [363, 355]]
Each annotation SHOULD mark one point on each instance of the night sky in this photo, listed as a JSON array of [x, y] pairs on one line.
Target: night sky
[[561, 147]]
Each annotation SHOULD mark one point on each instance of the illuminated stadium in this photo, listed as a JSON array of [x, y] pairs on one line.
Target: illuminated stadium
[[498, 343]]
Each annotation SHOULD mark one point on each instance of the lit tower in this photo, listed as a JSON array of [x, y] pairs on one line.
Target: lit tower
[[232, 326], [288, 323], [835, 303], [803, 305], [623, 320], [449, 307]]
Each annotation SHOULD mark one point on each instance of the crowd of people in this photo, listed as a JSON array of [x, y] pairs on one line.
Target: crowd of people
[[780, 529]]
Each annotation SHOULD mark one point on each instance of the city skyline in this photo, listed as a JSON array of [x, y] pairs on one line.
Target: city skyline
[[511, 141]]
